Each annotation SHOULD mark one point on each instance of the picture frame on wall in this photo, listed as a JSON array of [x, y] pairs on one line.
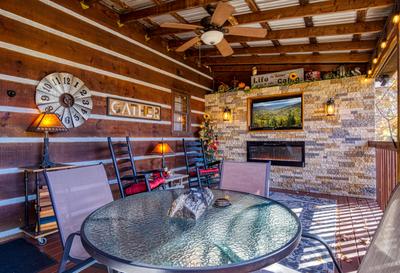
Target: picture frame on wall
[[275, 113]]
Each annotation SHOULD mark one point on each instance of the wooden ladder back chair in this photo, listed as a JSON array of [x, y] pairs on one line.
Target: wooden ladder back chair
[[383, 254], [200, 171], [130, 181]]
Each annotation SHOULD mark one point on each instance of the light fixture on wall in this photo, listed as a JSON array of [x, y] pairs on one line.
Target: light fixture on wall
[[227, 115], [330, 107]]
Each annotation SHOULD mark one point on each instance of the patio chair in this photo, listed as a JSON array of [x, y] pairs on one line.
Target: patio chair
[[130, 181], [75, 193], [383, 254], [200, 171], [255, 175]]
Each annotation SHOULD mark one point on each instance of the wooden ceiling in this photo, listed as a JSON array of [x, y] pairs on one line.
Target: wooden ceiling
[[316, 33]]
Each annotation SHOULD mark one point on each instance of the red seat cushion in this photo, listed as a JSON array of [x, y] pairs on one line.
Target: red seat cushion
[[205, 171], [141, 187]]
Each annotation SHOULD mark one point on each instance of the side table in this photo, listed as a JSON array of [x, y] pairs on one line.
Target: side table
[[176, 181]]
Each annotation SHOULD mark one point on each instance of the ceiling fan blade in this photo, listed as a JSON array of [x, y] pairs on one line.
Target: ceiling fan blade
[[181, 26], [224, 48], [188, 44], [221, 13], [247, 31]]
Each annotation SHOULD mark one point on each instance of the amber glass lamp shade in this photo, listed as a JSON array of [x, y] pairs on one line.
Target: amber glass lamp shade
[[330, 107], [162, 148], [227, 115], [47, 123]]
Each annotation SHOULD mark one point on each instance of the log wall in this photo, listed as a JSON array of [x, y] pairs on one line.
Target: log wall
[[39, 37]]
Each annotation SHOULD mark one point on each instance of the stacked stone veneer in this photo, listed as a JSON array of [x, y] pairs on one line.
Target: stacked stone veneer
[[338, 160]]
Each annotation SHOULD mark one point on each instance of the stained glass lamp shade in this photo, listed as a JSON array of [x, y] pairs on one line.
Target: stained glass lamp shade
[[47, 123], [162, 148]]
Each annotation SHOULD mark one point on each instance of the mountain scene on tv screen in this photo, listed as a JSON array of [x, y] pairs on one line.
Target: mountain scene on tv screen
[[277, 114]]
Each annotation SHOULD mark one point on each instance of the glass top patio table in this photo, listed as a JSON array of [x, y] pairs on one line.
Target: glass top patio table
[[136, 234]]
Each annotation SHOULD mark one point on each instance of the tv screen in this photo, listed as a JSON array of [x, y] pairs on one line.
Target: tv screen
[[277, 113]]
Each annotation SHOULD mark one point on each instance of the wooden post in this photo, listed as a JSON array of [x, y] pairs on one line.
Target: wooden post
[[398, 101]]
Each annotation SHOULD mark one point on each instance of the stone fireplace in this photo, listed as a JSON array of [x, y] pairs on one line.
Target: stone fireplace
[[280, 153], [337, 159]]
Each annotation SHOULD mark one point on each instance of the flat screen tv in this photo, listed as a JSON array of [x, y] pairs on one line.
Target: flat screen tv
[[276, 113]]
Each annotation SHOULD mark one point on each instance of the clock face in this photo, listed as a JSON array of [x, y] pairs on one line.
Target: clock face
[[65, 95]]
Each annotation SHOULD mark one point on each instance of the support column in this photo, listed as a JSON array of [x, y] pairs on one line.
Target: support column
[[398, 101]]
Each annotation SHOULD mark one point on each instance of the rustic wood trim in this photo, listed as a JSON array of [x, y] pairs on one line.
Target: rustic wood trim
[[360, 45], [291, 59], [387, 145], [189, 124], [342, 29], [279, 67], [297, 11], [251, 99]]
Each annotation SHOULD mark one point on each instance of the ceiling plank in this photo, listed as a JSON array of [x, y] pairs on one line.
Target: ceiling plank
[[298, 11], [358, 28], [164, 8], [359, 45], [280, 67], [291, 59]]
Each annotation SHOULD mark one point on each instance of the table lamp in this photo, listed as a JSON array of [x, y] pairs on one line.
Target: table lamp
[[47, 123], [162, 148]]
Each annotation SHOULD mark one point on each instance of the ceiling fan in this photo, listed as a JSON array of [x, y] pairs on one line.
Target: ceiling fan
[[212, 31]]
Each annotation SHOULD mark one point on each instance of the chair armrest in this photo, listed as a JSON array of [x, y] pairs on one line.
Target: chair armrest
[[217, 162], [132, 177], [150, 171]]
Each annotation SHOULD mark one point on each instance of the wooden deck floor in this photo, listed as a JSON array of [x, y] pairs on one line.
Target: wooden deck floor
[[357, 220]]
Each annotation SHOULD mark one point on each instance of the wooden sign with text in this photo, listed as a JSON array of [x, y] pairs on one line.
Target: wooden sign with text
[[132, 109]]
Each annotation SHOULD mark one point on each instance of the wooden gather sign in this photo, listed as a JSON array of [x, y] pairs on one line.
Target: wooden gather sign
[[132, 109]]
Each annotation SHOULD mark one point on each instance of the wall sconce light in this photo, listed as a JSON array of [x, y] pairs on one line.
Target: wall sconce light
[[227, 115], [330, 107]]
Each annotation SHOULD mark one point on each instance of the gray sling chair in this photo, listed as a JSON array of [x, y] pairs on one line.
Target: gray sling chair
[[257, 181], [383, 254], [75, 193]]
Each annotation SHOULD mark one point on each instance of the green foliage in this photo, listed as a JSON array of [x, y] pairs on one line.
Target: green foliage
[[288, 117], [209, 138]]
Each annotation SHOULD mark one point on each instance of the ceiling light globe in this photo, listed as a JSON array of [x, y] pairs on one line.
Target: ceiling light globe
[[212, 37]]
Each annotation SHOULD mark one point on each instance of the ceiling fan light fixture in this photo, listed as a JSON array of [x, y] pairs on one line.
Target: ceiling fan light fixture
[[212, 37]]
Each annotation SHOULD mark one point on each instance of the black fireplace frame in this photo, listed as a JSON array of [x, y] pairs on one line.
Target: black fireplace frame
[[278, 143]]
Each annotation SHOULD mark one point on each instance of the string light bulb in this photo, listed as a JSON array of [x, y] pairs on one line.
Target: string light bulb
[[383, 44], [370, 72], [375, 60], [396, 19]]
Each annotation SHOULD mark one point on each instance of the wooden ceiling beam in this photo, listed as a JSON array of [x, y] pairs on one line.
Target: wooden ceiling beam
[[164, 8], [291, 59], [359, 45], [305, 10], [358, 28], [280, 67]]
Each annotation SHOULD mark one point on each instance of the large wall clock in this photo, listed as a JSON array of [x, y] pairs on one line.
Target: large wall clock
[[65, 95]]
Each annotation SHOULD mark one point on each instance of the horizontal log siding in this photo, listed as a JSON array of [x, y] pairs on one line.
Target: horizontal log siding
[[126, 70]]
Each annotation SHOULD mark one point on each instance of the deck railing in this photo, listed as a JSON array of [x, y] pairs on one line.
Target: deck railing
[[386, 177]]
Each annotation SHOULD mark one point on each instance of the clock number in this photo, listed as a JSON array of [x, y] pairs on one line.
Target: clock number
[[67, 80], [56, 83], [49, 108], [83, 111], [68, 120], [45, 98], [76, 84], [83, 92], [47, 87], [76, 117], [85, 102]]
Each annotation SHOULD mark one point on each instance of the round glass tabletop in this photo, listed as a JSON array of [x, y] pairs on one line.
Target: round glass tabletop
[[136, 234]]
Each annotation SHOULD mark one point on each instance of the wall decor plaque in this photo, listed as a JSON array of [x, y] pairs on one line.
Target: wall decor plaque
[[132, 109], [277, 78]]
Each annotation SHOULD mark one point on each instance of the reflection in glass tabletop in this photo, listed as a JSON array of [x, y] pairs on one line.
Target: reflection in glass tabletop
[[136, 234]]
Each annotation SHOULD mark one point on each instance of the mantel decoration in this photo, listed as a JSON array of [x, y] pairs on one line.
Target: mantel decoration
[[66, 96], [209, 138]]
